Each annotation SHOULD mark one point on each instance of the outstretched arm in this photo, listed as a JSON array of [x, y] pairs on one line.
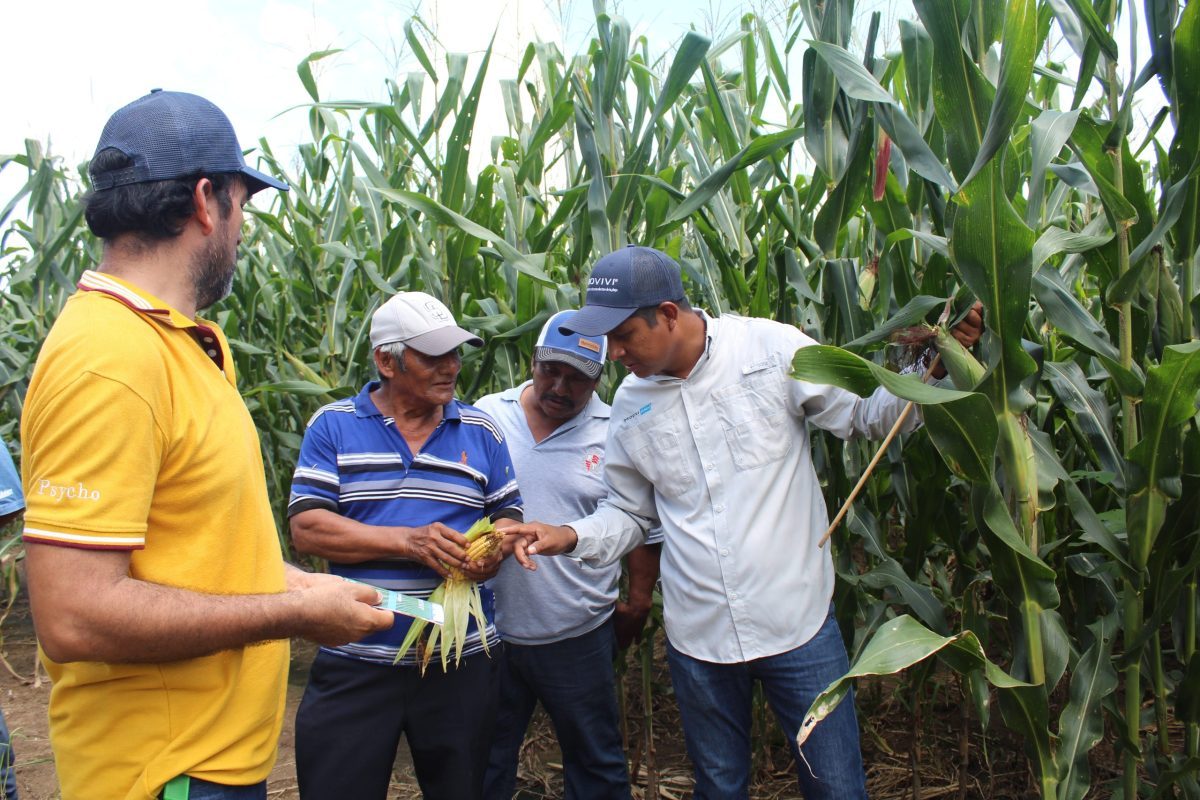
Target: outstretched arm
[[86, 607], [537, 538]]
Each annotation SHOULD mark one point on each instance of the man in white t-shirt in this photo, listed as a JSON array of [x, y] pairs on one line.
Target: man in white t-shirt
[[563, 624]]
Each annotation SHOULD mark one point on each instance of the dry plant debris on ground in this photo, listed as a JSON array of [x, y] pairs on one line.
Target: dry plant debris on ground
[[997, 769]]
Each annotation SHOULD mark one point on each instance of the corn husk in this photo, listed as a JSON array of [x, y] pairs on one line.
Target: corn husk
[[460, 599]]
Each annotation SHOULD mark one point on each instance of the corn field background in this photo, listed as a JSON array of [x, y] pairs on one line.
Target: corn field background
[[1033, 551]]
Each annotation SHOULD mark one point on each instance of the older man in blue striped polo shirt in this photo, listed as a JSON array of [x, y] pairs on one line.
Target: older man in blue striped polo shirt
[[385, 483]]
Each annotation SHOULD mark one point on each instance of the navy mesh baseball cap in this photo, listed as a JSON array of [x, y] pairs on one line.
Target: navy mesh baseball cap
[[622, 282], [173, 135]]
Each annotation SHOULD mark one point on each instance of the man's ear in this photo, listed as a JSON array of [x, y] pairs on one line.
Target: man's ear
[[670, 313], [384, 363], [204, 201]]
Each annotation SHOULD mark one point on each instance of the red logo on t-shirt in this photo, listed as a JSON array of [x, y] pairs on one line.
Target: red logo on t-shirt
[[592, 462]]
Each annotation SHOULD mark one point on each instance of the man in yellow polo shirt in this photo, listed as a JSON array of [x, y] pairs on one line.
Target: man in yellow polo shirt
[[161, 600]]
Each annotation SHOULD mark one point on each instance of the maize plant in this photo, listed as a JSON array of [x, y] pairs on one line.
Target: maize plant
[[1036, 544]]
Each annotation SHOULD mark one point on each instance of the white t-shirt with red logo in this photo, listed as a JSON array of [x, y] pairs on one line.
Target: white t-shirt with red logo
[[561, 478]]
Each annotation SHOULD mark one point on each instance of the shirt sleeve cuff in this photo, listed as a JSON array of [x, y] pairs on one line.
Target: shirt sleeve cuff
[[587, 531]]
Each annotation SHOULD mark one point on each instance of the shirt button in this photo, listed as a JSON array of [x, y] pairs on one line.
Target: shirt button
[[695, 426], [725, 551], [208, 340], [711, 466], [212, 353], [718, 508], [733, 595]]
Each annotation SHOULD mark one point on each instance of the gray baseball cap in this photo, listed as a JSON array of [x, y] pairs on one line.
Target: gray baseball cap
[[422, 322], [172, 135]]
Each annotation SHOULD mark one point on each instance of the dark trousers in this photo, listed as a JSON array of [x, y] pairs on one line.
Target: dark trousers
[[353, 713], [574, 681]]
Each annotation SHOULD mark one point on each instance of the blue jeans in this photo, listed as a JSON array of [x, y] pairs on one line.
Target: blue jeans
[[204, 790], [8, 776], [575, 683], [714, 703]]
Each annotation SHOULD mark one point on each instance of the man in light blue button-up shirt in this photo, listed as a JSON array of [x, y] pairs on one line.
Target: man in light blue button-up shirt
[[709, 438]]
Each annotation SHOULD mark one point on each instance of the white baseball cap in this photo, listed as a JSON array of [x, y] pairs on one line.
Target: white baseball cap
[[422, 322]]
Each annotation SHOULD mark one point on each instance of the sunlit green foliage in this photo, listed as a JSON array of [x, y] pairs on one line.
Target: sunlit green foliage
[[1058, 535]]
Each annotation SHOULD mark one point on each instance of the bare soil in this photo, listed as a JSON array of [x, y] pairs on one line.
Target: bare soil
[[938, 753]]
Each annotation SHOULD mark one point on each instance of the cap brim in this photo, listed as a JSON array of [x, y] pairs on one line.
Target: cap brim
[[443, 340], [591, 369], [596, 320], [256, 181]]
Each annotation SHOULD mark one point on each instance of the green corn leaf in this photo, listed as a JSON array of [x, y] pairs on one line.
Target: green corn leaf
[[759, 148], [688, 57], [458, 149], [961, 424], [304, 70], [896, 646], [1175, 197], [1064, 311], [418, 49], [527, 264], [1092, 415], [1050, 132], [1069, 25], [1026, 711], [1087, 140], [918, 71], [1170, 400], [1020, 45], [889, 575], [299, 387], [847, 319], [616, 54], [1095, 28], [846, 198], [821, 363], [1185, 95], [1019, 572], [1081, 726], [914, 312], [1056, 240], [962, 96], [856, 82]]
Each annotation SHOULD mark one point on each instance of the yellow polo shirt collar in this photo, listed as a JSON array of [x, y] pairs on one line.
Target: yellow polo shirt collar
[[142, 301]]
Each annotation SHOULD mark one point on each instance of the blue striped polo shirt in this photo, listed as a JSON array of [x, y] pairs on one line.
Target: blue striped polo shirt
[[355, 463]]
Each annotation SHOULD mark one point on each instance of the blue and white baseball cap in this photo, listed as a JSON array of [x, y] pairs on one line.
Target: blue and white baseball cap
[[622, 282], [584, 353], [170, 135]]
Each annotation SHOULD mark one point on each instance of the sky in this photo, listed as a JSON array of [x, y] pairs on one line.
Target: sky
[[68, 64], [93, 57]]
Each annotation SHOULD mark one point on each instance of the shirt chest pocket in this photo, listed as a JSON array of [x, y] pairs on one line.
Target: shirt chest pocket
[[655, 449], [758, 428]]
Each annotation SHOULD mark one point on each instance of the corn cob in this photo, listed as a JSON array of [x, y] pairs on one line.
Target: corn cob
[[460, 599]]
